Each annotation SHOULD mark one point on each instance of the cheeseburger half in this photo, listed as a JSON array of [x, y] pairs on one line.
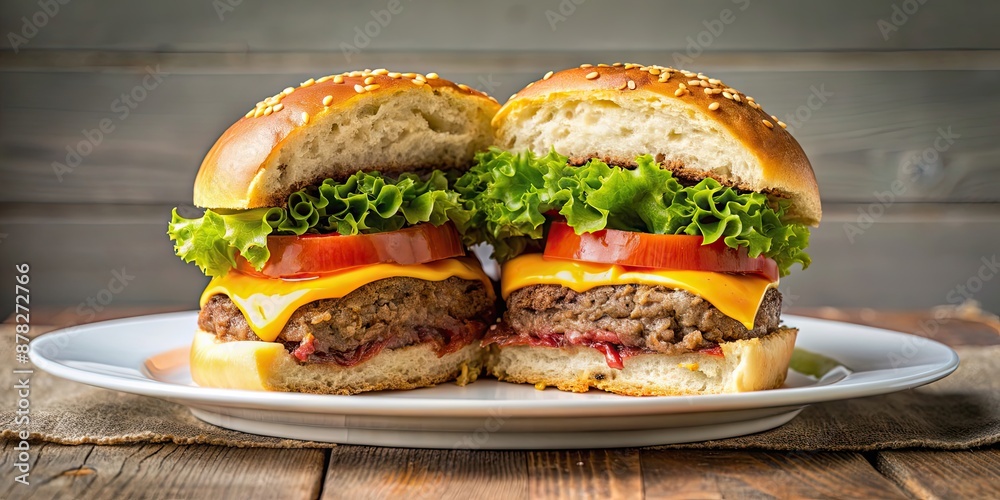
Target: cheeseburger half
[[643, 216], [334, 239]]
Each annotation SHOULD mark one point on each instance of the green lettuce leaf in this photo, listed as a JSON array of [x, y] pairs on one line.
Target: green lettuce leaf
[[509, 195], [364, 203]]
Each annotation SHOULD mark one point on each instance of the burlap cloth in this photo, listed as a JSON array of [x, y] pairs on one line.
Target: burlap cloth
[[960, 411]]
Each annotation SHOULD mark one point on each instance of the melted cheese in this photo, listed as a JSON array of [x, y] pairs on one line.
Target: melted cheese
[[268, 303], [736, 296]]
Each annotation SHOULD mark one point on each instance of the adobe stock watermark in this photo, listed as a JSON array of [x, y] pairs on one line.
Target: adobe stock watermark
[[914, 165], [959, 294], [478, 438], [363, 35], [900, 15], [703, 40], [817, 98], [32, 25], [87, 310], [224, 7], [122, 107], [564, 10], [488, 84]]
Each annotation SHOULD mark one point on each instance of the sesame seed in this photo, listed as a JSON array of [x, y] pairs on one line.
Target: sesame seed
[[268, 110], [420, 77], [359, 89], [323, 79], [629, 65], [417, 82], [249, 113], [694, 83], [782, 124], [617, 65], [585, 66], [278, 107], [603, 66], [664, 77], [678, 92], [308, 82], [714, 106], [327, 100], [338, 79], [464, 87], [654, 71], [622, 86], [775, 118], [372, 87], [714, 81], [727, 95], [370, 80], [767, 124], [681, 86], [355, 74], [708, 91], [395, 76], [631, 85], [258, 112], [736, 97], [512, 96], [305, 118], [547, 75], [288, 90], [530, 84], [432, 76], [593, 75], [409, 75], [380, 71], [494, 99]]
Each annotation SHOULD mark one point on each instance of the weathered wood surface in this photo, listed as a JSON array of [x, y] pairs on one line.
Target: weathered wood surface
[[511, 25], [748, 474], [585, 474], [940, 474], [366, 472], [166, 471]]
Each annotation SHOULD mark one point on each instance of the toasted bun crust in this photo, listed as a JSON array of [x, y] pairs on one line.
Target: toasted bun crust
[[747, 365], [267, 366], [339, 124], [624, 111]]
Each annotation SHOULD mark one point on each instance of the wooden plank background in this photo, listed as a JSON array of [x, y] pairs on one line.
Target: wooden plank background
[[885, 101]]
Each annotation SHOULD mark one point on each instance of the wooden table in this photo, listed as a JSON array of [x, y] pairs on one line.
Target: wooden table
[[201, 471]]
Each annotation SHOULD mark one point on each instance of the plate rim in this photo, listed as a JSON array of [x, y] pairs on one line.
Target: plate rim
[[846, 388]]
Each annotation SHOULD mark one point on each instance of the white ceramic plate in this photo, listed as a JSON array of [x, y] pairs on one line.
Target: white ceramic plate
[[148, 355]]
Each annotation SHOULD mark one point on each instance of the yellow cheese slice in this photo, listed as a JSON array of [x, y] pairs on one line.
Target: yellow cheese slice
[[737, 296], [268, 303]]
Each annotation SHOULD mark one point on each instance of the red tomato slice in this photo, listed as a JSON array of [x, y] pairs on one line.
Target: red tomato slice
[[656, 251], [313, 254]]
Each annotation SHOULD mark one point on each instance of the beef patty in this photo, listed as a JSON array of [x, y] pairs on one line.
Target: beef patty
[[650, 318], [385, 314]]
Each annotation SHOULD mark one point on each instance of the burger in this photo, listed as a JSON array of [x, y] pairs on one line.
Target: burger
[[334, 239], [643, 216]]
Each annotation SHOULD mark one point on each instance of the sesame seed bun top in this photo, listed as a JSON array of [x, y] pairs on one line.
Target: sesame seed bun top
[[333, 126], [694, 125]]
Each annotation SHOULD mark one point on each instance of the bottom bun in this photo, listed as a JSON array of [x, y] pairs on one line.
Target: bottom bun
[[267, 366], [746, 365]]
